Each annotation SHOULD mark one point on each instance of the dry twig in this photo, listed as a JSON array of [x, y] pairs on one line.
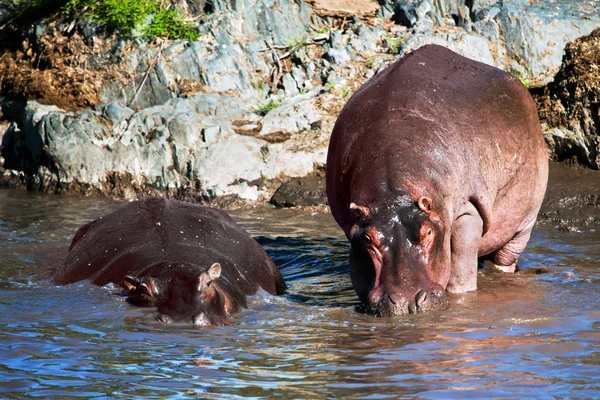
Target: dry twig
[[152, 64]]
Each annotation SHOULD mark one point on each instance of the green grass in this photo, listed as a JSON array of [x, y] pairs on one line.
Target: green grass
[[169, 23], [394, 43], [147, 17], [524, 78], [122, 15], [296, 43], [322, 30], [268, 105]]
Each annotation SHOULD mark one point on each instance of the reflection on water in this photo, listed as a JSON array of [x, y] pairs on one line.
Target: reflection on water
[[516, 336]]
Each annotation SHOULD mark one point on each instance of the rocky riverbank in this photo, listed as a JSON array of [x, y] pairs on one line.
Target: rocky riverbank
[[243, 114]]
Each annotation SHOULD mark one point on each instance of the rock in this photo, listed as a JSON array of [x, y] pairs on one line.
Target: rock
[[294, 115], [365, 39], [479, 7], [301, 192], [181, 116], [466, 44], [537, 32], [115, 111], [419, 14], [337, 56], [213, 165], [289, 85], [565, 144], [568, 107], [282, 20]]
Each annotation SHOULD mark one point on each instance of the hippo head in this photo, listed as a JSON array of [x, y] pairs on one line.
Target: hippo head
[[181, 293], [397, 258]]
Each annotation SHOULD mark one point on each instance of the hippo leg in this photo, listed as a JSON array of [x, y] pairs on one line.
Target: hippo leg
[[466, 234], [505, 258]]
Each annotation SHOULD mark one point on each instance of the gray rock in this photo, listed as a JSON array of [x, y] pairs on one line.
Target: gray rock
[[305, 191], [292, 116], [365, 39], [479, 7], [289, 85], [282, 20], [466, 44], [34, 140], [116, 112], [537, 34], [566, 144], [338, 56]]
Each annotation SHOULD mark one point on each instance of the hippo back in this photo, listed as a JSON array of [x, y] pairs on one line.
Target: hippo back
[[132, 239]]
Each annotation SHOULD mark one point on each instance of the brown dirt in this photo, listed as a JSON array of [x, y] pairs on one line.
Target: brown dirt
[[55, 67], [344, 8], [572, 100]]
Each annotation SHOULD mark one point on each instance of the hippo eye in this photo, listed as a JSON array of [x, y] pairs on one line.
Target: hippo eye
[[425, 233]]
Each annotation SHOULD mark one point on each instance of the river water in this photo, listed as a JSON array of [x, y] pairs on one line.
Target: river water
[[524, 336]]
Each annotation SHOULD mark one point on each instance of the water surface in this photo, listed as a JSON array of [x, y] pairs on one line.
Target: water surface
[[517, 336]]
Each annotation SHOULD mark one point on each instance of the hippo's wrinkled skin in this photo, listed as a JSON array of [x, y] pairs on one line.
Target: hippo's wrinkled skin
[[435, 162], [193, 263]]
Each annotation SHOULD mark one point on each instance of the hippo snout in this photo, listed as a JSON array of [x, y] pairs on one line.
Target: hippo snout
[[382, 303]]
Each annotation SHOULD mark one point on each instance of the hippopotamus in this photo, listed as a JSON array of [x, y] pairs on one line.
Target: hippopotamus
[[193, 263], [435, 164]]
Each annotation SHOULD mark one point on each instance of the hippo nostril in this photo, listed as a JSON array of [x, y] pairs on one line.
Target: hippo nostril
[[421, 297], [396, 299], [375, 297], [374, 300], [164, 319]]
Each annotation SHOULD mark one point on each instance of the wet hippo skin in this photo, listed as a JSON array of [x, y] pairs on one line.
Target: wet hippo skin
[[193, 263], [434, 163]]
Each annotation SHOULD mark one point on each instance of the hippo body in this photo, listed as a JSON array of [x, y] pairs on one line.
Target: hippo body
[[434, 163], [194, 263]]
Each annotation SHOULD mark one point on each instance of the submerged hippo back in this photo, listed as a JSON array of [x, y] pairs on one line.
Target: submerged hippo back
[[143, 233]]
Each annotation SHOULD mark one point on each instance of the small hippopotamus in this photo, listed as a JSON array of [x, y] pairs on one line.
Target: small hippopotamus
[[193, 263], [434, 164]]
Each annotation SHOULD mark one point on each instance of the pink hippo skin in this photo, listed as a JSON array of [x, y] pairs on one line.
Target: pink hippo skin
[[434, 163]]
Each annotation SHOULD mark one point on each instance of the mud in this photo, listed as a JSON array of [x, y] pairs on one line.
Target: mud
[[301, 192], [572, 201], [571, 204]]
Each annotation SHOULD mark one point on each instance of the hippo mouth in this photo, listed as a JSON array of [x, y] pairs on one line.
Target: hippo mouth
[[394, 304]]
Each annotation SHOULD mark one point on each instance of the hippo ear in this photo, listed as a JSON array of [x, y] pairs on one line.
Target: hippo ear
[[214, 271], [205, 278], [425, 204], [362, 210], [130, 283]]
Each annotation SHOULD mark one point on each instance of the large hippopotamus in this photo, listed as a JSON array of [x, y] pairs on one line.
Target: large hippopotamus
[[193, 263], [434, 163]]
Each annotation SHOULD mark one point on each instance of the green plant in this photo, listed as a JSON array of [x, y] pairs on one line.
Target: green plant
[[523, 77], [323, 29], [267, 105], [394, 44], [296, 43], [371, 63], [169, 23], [345, 91], [127, 15], [330, 87], [124, 15]]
